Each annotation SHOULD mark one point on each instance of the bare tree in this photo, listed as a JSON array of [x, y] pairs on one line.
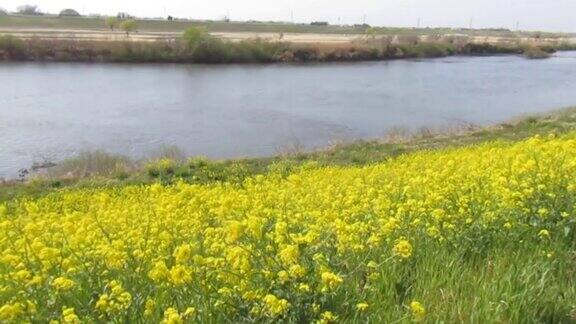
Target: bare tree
[[31, 10], [124, 15]]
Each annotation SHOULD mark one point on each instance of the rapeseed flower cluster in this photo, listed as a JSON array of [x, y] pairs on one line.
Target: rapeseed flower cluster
[[320, 245]]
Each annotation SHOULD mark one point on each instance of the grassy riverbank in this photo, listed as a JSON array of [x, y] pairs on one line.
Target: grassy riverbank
[[97, 169], [207, 49], [472, 227]]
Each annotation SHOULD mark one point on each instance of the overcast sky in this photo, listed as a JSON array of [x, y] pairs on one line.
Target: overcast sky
[[550, 15]]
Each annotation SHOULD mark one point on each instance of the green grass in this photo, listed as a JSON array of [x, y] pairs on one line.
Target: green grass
[[97, 169], [507, 282], [148, 25]]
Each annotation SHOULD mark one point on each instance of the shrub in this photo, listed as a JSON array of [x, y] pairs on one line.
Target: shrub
[[91, 163], [212, 51], [408, 39], [129, 26], [535, 53], [196, 36], [489, 49], [171, 152], [256, 50], [161, 168], [12, 48], [422, 50]]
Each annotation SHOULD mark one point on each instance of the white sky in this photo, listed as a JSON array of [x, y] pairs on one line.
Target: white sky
[[549, 15]]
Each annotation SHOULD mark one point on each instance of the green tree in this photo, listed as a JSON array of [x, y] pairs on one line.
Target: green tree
[[111, 22], [196, 36], [129, 26], [69, 13]]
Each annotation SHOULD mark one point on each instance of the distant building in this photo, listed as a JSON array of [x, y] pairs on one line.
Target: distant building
[[69, 13]]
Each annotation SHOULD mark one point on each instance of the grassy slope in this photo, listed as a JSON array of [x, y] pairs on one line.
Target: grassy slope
[[357, 153], [148, 25], [171, 26], [484, 272]]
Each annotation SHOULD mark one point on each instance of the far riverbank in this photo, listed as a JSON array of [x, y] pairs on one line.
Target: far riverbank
[[212, 50]]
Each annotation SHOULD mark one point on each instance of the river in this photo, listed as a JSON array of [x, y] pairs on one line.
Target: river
[[52, 111]]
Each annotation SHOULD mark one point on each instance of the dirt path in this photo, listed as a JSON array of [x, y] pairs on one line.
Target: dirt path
[[106, 35]]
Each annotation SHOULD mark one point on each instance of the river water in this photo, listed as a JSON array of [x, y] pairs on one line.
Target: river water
[[53, 111]]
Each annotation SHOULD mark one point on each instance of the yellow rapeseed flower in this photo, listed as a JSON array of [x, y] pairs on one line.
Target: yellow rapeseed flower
[[149, 307], [327, 317], [159, 272], [331, 280], [180, 275], [63, 284], [69, 316], [275, 306], [171, 316], [403, 249], [544, 234], [183, 253], [362, 306], [418, 311], [116, 301], [289, 255], [10, 312], [277, 246]]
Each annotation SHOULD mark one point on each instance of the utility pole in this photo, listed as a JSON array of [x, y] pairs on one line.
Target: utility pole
[[364, 20], [339, 24], [471, 22], [292, 15], [518, 26], [418, 24]]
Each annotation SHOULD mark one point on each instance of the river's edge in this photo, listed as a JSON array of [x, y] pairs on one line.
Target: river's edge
[[97, 169], [214, 51]]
